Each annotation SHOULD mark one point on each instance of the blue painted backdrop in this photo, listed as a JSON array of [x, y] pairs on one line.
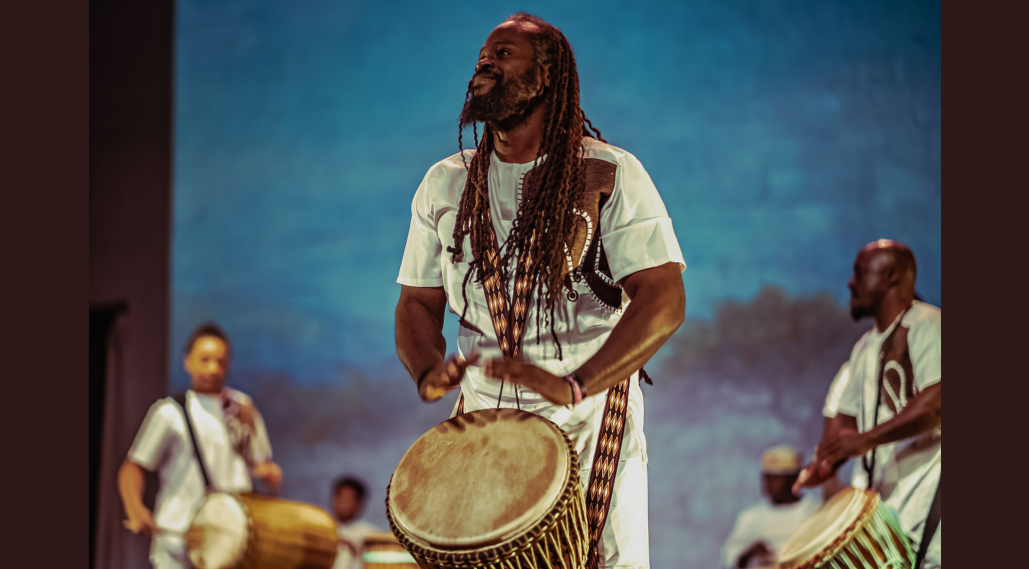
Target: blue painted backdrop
[[783, 136]]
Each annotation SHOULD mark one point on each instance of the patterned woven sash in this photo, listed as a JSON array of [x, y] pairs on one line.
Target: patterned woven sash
[[509, 326]]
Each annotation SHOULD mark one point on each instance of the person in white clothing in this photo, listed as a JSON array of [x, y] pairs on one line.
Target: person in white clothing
[[763, 527], [889, 414], [348, 498], [231, 439], [603, 292]]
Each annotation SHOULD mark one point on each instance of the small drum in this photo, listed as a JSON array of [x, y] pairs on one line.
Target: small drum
[[850, 531], [247, 531], [383, 551], [495, 488]]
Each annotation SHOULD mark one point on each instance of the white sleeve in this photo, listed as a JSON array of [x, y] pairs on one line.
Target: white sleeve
[[925, 348], [635, 228], [421, 264], [836, 389], [850, 396], [154, 435], [262, 447]]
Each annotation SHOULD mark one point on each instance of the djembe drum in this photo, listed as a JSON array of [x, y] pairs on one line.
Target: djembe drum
[[495, 488], [850, 531], [247, 531]]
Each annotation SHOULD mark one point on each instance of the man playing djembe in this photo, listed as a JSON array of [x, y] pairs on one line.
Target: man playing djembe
[[557, 252], [890, 411]]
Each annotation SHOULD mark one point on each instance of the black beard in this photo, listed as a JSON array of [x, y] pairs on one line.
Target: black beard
[[507, 105], [859, 312]]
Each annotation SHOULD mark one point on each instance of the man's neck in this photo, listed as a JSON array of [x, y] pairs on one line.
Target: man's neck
[[889, 309], [521, 144]]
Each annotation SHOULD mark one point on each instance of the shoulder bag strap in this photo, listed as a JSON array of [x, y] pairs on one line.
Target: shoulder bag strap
[[181, 400]]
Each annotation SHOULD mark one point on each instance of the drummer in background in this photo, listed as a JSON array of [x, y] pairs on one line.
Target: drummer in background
[[890, 412], [348, 498], [231, 436], [764, 526]]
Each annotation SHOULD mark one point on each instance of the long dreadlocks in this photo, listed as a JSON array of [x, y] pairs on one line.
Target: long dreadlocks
[[552, 191]]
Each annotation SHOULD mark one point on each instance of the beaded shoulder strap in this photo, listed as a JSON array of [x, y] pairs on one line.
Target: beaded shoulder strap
[[605, 465]]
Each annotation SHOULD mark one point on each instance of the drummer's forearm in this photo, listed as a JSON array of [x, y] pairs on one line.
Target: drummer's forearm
[[656, 311], [922, 414], [419, 329], [131, 481]]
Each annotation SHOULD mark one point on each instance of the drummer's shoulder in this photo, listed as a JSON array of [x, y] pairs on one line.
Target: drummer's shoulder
[[923, 313], [165, 410], [454, 165], [239, 397]]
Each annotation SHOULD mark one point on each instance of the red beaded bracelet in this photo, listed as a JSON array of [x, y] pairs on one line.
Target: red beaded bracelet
[[573, 383]]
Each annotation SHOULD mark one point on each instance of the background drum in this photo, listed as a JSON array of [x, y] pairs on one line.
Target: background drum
[[383, 551], [850, 531], [247, 531], [491, 488]]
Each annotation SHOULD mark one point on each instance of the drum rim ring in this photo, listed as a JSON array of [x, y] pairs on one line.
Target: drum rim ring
[[830, 551]]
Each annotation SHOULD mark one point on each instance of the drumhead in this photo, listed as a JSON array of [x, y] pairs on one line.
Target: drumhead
[[479, 479], [218, 536], [823, 528]]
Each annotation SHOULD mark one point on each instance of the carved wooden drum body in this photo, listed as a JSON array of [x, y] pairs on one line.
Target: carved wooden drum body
[[490, 489], [850, 531]]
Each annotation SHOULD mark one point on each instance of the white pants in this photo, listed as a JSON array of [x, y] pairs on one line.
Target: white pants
[[625, 542], [168, 552]]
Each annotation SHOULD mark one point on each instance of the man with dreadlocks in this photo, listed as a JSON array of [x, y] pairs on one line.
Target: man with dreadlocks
[[557, 252]]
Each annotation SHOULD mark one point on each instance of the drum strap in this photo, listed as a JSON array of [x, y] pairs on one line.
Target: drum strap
[[869, 466], [181, 400], [932, 521], [601, 486]]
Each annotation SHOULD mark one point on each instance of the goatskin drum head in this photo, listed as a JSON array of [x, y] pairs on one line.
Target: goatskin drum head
[[219, 533], [479, 479]]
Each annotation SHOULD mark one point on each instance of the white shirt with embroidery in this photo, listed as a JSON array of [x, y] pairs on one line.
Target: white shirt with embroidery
[[636, 234]]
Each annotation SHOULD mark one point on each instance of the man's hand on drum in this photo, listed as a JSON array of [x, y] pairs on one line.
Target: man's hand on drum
[[139, 519], [553, 388], [270, 473], [833, 451], [838, 447], [444, 377]]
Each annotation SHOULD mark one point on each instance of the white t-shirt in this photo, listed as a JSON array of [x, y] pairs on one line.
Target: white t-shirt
[[354, 532], [767, 522], [163, 444], [636, 234], [906, 472]]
